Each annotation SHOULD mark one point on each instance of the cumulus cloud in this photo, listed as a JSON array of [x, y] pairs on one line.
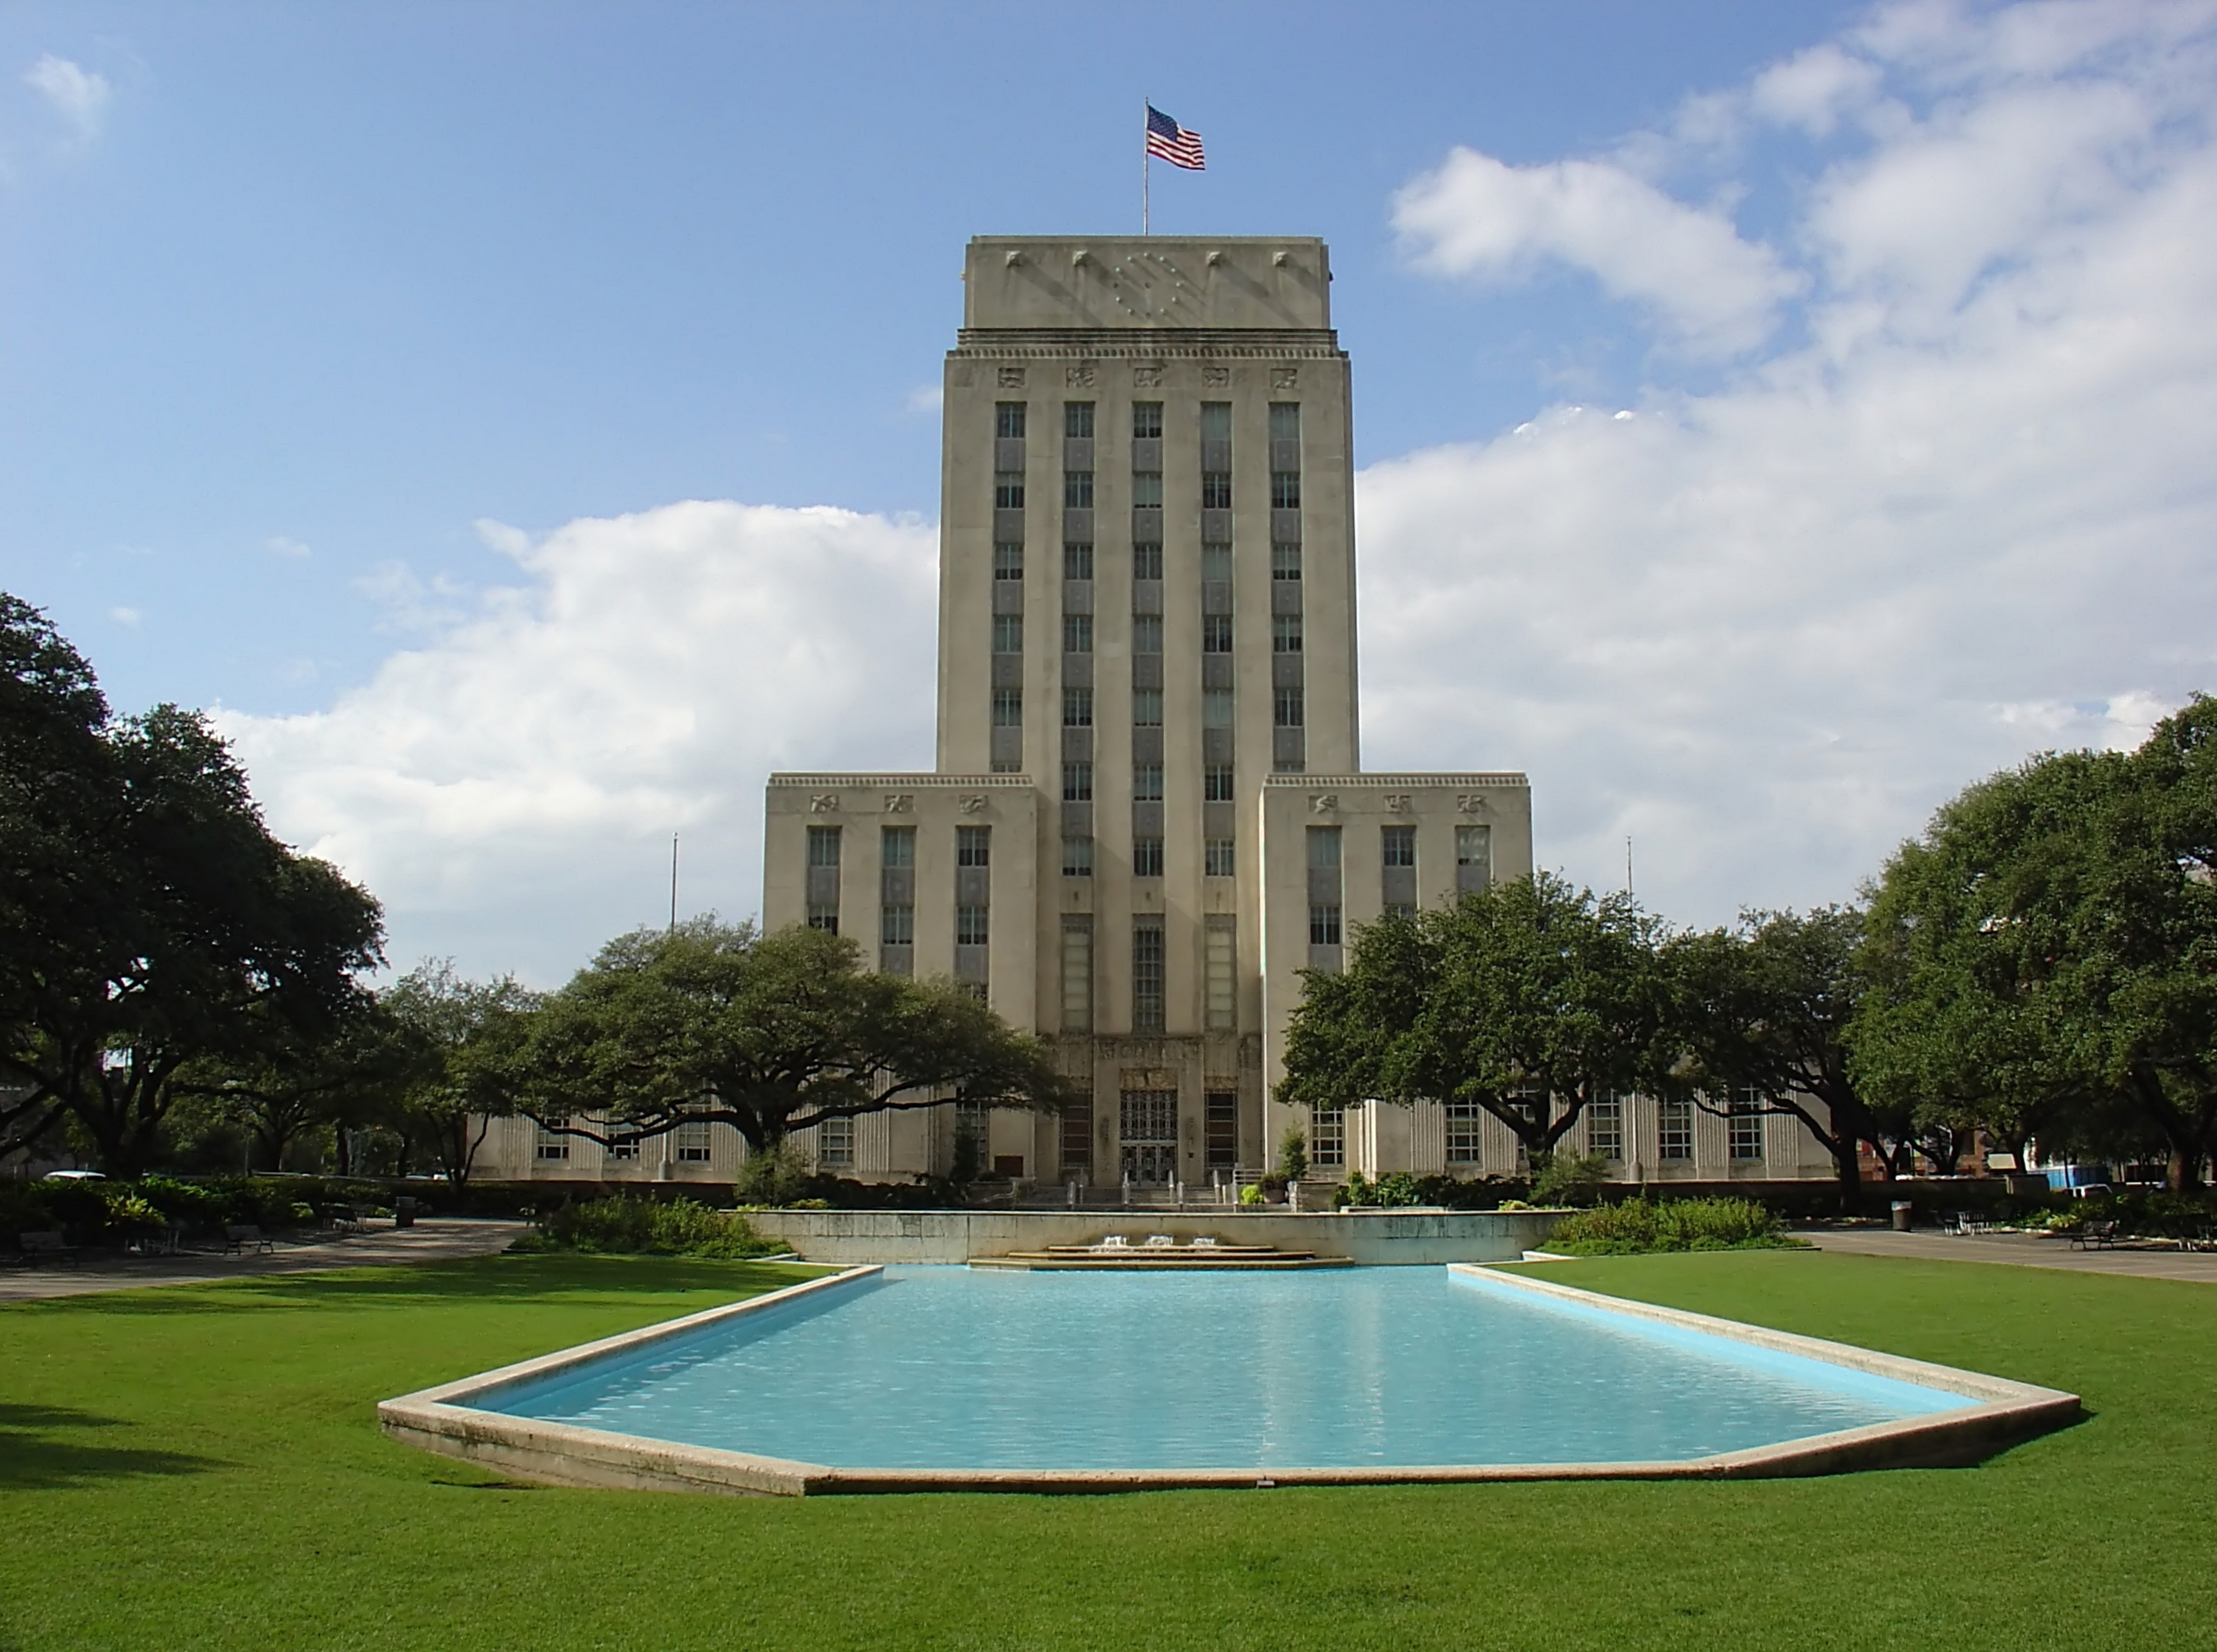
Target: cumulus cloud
[[285, 547], [1476, 217], [79, 96], [1765, 628], [509, 788]]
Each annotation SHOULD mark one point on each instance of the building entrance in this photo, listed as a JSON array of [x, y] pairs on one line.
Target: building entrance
[[1147, 1122]]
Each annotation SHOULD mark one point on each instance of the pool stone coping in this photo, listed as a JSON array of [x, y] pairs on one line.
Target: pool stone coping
[[443, 1420]]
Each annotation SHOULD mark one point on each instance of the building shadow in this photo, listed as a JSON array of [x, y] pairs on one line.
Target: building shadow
[[46, 1448]]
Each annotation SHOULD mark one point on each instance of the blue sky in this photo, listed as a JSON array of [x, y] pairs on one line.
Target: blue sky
[[352, 358]]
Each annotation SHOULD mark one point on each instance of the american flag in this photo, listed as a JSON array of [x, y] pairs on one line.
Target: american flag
[[1169, 141]]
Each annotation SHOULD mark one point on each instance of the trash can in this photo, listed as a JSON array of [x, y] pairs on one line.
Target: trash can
[[404, 1212], [1902, 1208]]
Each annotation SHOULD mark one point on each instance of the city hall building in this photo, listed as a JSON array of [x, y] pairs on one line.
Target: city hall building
[[1147, 812]]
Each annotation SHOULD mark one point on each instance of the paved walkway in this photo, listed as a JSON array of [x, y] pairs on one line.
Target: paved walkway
[[2020, 1250], [436, 1240]]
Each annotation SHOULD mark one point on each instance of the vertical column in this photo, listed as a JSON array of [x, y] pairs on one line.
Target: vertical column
[[823, 878], [1010, 423], [897, 900], [1288, 696], [974, 860], [1324, 897]]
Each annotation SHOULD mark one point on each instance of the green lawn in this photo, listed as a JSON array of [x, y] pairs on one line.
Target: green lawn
[[200, 1468]]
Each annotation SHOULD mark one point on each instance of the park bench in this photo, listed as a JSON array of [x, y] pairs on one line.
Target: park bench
[[2096, 1235], [240, 1235], [35, 1247]]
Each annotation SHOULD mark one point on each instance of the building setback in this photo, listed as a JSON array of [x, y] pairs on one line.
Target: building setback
[[1148, 814]]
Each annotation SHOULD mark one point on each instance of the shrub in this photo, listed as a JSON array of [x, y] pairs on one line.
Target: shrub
[[1251, 1195], [672, 1227], [1293, 1155], [1569, 1179], [1642, 1224]]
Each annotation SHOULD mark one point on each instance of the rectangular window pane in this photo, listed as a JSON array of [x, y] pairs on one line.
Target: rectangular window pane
[[1077, 708], [1285, 489], [1220, 1003], [1324, 925], [1216, 421], [1285, 562], [1605, 1127], [1285, 421], [1147, 782], [1465, 1145], [693, 1143], [1744, 1126], [1674, 1130], [1216, 633], [1008, 633], [1146, 633], [1216, 489], [1286, 633], [1218, 859], [1146, 492], [1147, 980], [823, 915], [897, 846], [1007, 562], [1216, 708], [1397, 846], [1323, 847], [1146, 857], [1328, 1139], [973, 845], [1146, 708], [1077, 857], [1077, 633], [1078, 782], [1147, 562], [969, 926], [1221, 1118], [823, 845], [1077, 489], [1078, 562], [1147, 420], [1216, 783], [1216, 562], [551, 1143], [897, 926], [1077, 974], [1009, 420], [1077, 420], [1008, 708], [1287, 708], [1008, 489], [835, 1143]]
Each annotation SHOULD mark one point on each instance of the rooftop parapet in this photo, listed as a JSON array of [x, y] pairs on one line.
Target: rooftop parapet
[[1032, 283]]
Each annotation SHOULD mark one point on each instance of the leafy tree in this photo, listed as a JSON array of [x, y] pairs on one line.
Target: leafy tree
[[2044, 958], [1529, 1000], [453, 1046], [768, 1033], [1764, 1009]]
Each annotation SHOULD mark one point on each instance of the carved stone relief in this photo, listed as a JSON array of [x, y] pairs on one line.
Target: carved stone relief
[[1079, 375], [1285, 377], [1146, 375], [824, 803], [1012, 378], [1215, 378]]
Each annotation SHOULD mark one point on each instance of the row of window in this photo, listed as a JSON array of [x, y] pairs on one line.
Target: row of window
[[1216, 633], [1146, 564], [1012, 420], [1674, 1133], [973, 845], [690, 1143]]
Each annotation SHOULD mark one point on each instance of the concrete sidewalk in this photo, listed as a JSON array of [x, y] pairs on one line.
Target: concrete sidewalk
[[434, 1240], [2148, 1261]]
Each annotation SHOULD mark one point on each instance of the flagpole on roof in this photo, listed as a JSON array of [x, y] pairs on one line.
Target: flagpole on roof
[[1146, 108]]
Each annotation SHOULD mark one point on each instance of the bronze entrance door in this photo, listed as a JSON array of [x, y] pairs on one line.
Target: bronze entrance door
[[1147, 1122]]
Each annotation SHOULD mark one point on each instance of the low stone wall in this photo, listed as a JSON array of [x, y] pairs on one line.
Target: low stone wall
[[1414, 1236]]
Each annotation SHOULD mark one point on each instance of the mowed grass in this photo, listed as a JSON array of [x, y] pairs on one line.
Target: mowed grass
[[200, 1468]]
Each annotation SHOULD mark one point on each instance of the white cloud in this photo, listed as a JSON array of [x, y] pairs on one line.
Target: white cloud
[[1766, 628], [1476, 217], [285, 547], [926, 398], [79, 96], [130, 617], [509, 789]]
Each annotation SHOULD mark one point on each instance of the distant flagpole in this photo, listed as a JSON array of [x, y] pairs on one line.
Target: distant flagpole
[[1147, 155]]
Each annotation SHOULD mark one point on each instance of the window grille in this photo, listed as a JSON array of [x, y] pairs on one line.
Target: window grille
[[1466, 1132], [1328, 1139]]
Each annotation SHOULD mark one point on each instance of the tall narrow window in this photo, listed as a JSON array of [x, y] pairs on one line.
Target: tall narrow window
[[1285, 633], [694, 1144], [1216, 421], [1146, 494], [1216, 489], [1007, 562], [1077, 420], [823, 845], [1077, 857], [1146, 782], [1146, 633], [1216, 708], [1397, 846], [897, 926], [1147, 980], [1285, 489], [1008, 489], [1743, 1125], [972, 925], [1008, 420], [1077, 633], [1216, 562], [1008, 708], [1147, 562], [1076, 561], [1287, 710], [825, 915], [1465, 1145], [1674, 1130], [897, 846], [1474, 858], [1216, 633], [1146, 708], [1324, 848], [1077, 708], [1324, 924], [551, 1143], [1216, 783], [973, 845], [1146, 857], [1219, 858], [1286, 562], [1285, 421], [1221, 1113], [1147, 420], [1008, 633], [835, 1144], [1605, 1127], [1077, 489], [1220, 957], [1077, 973], [1328, 1139], [1078, 782]]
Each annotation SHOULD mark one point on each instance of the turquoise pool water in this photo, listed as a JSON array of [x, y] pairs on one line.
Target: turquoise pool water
[[945, 1368]]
